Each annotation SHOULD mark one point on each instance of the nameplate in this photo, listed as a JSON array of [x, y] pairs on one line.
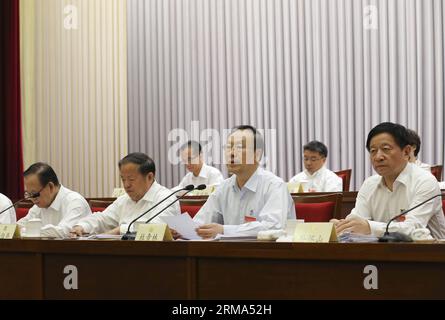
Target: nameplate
[[153, 232], [9, 231], [295, 187], [315, 232]]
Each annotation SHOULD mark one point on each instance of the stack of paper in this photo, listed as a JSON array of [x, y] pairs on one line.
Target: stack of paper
[[354, 237]]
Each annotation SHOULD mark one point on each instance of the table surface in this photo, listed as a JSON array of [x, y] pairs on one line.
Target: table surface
[[36, 269]]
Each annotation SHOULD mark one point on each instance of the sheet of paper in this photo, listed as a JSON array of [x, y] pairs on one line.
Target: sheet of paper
[[235, 237], [184, 225], [102, 236]]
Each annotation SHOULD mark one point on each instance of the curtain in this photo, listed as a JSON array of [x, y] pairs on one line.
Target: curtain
[[11, 159], [75, 90], [299, 69]]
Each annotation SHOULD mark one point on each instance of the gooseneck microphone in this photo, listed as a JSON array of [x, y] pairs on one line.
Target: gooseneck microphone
[[31, 196], [200, 187], [128, 235], [398, 236], [132, 235]]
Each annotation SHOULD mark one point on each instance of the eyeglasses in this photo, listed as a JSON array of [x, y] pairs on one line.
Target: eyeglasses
[[312, 159], [32, 195]]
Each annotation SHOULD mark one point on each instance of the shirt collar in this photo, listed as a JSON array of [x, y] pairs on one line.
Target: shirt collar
[[251, 184], [204, 171], [149, 196], [57, 203], [402, 178], [316, 173]]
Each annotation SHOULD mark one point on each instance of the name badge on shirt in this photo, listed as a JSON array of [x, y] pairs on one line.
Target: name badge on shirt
[[9, 231], [249, 217], [153, 232]]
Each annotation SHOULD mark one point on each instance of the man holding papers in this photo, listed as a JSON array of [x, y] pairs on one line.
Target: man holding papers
[[399, 185], [6, 217], [252, 199], [58, 208], [137, 172]]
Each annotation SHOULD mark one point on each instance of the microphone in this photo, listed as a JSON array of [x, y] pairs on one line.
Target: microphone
[[398, 236], [31, 196], [132, 235], [128, 235], [200, 187]]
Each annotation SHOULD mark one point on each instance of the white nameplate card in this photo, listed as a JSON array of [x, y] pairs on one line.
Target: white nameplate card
[[9, 231], [295, 187], [153, 232], [315, 232]]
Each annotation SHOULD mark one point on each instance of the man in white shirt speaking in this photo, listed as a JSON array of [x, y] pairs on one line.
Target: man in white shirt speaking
[[137, 171], [199, 172], [9, 216], [58, 208], [252, 199], [399, 185], [316, 177]]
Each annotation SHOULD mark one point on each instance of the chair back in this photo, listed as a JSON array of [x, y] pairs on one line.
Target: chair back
[[192, 204], [437, 172], [345, 175], [317, 208], [100, 204]]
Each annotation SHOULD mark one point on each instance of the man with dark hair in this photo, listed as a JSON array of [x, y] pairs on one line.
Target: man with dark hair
[[316, 177], [57, 207], [398, 185], [137, 171], [414, 142], [199, 172], [7, 217], [252, 199]]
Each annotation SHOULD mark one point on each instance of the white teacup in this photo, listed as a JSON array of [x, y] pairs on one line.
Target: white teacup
[[33, 228]]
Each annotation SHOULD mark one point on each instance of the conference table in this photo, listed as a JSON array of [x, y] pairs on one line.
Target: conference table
[[100, 269]]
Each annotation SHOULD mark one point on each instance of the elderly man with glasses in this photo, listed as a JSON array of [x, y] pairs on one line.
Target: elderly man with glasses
[[57, 207]]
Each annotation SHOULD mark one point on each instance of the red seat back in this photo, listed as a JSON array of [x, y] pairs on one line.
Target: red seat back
[[437, 172], [315, 212], [345, 175], [21, 213], [191, 209], [443, 205]]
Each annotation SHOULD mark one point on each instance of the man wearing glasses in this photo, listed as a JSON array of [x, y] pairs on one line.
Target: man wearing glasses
[[7, 217], [252, 199], [199, 172], [316, 177], [57, 207]]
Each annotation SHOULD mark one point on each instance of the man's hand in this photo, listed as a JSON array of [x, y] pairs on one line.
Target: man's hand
[[354, 225], [115, 231], [207, 231], [76, 231], [175, 234]]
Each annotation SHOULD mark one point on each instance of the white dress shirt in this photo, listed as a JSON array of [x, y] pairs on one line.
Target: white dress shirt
[[208, 175], [7, 217], [264, 198], [422, 165], [378, 204], [124, 210], [323, 180], [64, 212]]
